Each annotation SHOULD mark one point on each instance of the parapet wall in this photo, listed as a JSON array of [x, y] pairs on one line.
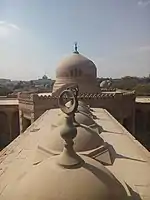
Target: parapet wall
[[120, 104], [52, 98], [25, 96]]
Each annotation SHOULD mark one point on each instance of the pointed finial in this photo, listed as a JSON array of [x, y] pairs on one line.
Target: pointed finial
[[68, 158], [76, 48]]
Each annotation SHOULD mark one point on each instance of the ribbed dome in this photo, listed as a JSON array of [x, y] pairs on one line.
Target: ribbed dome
[[76, 69], [82, 116], [50, 181], [76, 65], [87, 140]]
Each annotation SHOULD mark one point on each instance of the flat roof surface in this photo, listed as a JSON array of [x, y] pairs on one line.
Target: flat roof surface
[[117, 91], [142, 99], [9, 102], [132, 162]]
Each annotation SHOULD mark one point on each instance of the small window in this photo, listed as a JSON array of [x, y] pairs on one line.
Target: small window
[[80, 72]]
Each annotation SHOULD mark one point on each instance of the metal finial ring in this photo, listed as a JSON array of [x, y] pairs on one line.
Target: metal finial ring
[[75, 90], [74, 104]]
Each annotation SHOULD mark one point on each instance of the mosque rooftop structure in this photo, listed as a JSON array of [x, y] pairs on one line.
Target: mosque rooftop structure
[[130, 161], [75, 150], [80, 70]]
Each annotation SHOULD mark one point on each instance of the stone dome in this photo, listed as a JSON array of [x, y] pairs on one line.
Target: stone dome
[[84, 110], [105, 84], [51, 181], [87, 139], [76, 69], [82, 107], [76, 66], [80, 117], [83, 104]]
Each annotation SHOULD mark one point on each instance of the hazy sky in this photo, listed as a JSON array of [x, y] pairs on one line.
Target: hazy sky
[[36, 34]]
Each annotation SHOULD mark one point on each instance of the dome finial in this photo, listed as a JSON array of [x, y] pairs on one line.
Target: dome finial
[[76, 48], [68, 158]]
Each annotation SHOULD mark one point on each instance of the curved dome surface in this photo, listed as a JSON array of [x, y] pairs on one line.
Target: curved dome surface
[[50, 181], [76, 65], [85, 119], [83, 104], [80, 118], [86, 140], [84, 109]]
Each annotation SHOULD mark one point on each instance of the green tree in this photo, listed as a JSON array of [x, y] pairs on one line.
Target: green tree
[[4, 91]]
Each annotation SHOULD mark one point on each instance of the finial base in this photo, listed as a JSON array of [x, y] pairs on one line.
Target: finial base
[[76, 52], [69, 159]]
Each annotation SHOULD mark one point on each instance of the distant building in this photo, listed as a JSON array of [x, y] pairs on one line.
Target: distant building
[[43, 83]]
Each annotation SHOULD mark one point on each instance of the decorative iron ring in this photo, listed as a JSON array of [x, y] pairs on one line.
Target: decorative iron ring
[[75, 89], [74, 104]]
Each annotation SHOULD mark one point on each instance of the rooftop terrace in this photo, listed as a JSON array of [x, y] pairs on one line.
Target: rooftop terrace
[[132, 162]]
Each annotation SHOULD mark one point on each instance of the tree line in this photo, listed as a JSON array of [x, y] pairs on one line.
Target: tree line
[[140, 85]]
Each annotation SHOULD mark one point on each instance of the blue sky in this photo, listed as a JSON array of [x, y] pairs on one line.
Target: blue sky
[[36, 34]]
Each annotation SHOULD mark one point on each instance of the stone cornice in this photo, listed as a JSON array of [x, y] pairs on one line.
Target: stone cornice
[[24, 98]]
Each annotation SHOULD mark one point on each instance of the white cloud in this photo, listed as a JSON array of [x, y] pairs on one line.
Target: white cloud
[[144, 3], [14, 26], [7, 29]]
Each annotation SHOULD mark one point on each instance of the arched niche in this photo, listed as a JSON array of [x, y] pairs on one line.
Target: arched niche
[[26, 123], [15, 124], [4, 130]]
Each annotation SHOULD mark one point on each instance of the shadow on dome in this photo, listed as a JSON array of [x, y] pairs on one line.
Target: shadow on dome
[[106, 180], [134, 195]]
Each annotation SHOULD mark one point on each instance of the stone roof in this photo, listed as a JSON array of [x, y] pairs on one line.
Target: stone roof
[[131, 159], [67, 175]]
